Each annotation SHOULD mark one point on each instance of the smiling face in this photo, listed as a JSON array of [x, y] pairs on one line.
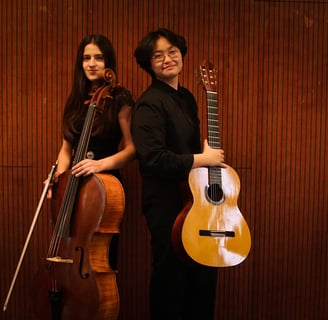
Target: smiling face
[[166, 62], [93, 63]]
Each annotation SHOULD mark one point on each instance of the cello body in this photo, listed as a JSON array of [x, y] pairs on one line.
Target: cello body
[[81, 285]]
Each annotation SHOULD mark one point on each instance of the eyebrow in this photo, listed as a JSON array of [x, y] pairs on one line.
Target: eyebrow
[[172, 46], [98, 55]]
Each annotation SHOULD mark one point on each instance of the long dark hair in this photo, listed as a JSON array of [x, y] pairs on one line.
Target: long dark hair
[[74, 107], [145, 48]]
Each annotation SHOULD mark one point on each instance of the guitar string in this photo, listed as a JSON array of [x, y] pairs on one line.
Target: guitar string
[[214, 139]]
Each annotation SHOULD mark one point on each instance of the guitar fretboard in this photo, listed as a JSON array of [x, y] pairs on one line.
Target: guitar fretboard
[[213, 133], [212, 120]]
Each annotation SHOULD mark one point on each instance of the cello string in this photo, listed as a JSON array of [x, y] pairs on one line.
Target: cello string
[[58, 230], [62, 226], [63, 220]]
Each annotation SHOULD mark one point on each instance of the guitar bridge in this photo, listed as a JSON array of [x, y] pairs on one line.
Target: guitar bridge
[[216, 233]]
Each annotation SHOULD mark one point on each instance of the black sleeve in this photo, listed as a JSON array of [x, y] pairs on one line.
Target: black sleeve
[[149, 127], [124, 97]]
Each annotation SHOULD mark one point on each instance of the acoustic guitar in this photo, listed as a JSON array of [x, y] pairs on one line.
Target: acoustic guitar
[[214, 232]]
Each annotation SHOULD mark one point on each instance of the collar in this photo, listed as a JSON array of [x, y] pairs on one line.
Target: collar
[[164, 86]]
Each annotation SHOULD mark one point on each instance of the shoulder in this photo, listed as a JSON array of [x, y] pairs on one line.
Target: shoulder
[[151, 93], [122, 95], [186, 92], [156, 95]]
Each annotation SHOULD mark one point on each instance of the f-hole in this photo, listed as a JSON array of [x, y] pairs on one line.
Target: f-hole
[[86, 275]]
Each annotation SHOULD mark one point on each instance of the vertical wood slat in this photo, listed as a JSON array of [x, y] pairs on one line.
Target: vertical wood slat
[[271, 58]]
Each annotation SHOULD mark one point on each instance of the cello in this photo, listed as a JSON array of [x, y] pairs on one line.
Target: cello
[[75, 280]]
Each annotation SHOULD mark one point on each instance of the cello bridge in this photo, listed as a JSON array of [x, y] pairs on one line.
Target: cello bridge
[[59, 260]]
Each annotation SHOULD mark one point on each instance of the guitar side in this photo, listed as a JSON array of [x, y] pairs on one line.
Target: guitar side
[[215, 233]]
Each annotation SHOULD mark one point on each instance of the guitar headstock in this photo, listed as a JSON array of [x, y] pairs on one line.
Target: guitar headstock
[[207, 74]]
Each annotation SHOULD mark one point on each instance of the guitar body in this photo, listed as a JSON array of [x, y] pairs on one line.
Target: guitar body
[[214, 232]]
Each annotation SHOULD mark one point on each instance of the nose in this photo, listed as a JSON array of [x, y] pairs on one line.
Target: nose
[[166, 55], [92, 61]]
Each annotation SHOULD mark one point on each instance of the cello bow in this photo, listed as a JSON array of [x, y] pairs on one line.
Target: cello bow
[[27, 241]]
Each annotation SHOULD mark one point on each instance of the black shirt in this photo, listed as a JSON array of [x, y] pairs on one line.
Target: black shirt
[[165, 130], [106, 132]]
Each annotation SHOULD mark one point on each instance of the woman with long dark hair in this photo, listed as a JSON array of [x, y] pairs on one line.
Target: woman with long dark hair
[[111, 128], [110, 146]]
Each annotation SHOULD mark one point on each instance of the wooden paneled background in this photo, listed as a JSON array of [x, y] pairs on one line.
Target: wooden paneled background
[[271, 58]]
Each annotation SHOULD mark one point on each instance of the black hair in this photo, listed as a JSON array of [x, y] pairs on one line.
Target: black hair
[[74, 106], [144, 51]]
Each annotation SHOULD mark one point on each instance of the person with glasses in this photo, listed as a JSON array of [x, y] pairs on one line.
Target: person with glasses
[[166, 133]]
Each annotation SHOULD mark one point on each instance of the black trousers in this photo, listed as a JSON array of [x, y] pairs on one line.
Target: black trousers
[[179, 291]]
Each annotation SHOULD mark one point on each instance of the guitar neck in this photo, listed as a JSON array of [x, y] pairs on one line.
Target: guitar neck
[[213, 134], [208, 76]]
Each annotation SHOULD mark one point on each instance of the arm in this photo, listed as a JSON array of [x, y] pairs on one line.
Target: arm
[[150, 137], [116, 161], [156, 143], [159, 160], [64, 160]]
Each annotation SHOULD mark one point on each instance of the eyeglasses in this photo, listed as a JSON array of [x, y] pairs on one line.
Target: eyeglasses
[[159, 56]]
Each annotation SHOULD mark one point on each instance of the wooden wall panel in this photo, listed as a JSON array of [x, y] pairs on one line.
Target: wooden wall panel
[[271, 58]]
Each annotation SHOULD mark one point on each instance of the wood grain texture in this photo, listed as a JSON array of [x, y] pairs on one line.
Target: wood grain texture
[[272, 66]]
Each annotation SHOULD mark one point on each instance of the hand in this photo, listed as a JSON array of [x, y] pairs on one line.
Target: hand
[[210, 157], [86, 167], [214, 157], [54, 180]]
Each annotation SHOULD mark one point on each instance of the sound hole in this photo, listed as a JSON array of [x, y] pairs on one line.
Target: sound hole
[[215, 193]]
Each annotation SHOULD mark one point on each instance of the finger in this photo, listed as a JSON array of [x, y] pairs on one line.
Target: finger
[[49, 193]]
